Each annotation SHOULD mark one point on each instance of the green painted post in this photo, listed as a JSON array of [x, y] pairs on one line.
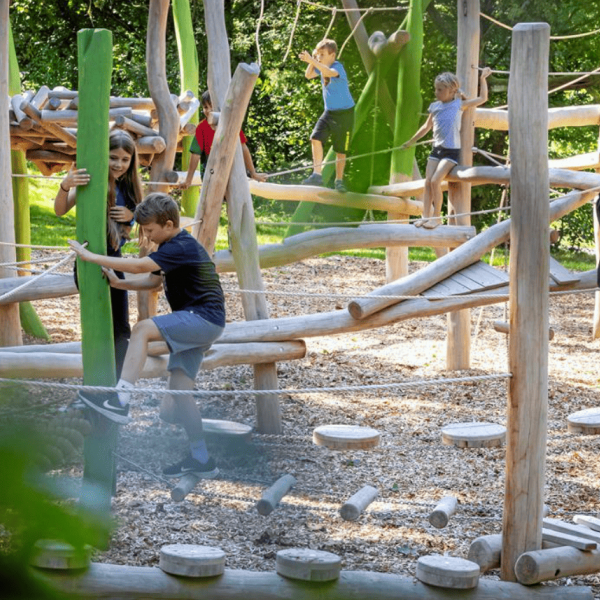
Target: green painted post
[[95, 66], [189, 75], [30, 320]]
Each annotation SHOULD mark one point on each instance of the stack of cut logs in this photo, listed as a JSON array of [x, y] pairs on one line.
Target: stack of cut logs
[[44, 125]]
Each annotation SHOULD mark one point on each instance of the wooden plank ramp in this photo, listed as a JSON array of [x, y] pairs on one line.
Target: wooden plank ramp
[[477, 277], [560, 274]]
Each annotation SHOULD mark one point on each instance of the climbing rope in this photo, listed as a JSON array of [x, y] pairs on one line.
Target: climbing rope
[[368, 12], [333, 16], [298, 6], [256, 36]]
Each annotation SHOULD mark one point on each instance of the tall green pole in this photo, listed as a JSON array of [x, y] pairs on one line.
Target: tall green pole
[[95, 67], [189, 74], [30, 321]]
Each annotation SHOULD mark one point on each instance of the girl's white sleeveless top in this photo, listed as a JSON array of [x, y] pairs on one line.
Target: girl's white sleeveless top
[[447, 117]]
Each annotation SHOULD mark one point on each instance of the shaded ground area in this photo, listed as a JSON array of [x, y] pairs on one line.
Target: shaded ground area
[[411, 468]]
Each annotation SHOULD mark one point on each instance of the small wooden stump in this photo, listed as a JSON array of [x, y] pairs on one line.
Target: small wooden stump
[[308, 565], [215, 428], [445, 508], [54, 554], [585, 421], [190, 560], [448, 572], [186, 484], [272, 496], [346, 437], [474, 435], [353, 508]]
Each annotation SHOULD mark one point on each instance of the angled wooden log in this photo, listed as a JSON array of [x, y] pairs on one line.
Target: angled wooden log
[[133, 126], [127, 583], [52, 127], [272, 496], [458, 259], [357, 503], [547, 564], [220, 160], [10, 328]]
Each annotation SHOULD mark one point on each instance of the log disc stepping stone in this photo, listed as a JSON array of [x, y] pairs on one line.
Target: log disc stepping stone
[[346, 437], [473, 435], [54, 554], [585, 421], [216, 428], [190, 560], [308, 565], [448, 572]]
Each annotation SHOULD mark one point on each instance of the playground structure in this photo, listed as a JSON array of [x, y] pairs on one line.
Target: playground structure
[[528, 231]]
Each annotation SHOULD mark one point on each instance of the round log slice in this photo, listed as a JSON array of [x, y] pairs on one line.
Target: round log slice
[[346, 437], [190, 560], [448, 572], [473, 435], [308, 565]]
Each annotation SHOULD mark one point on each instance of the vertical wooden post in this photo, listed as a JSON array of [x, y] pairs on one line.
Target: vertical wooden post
[[97, 346], [188, 74], [529, 259], [596, 322], [458, 338], [10, 325], [241, 217]]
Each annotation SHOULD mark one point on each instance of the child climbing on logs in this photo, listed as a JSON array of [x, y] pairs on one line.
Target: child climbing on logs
[[124, 194], [203, 141], [194, 293], [338, 119], [445, 117]]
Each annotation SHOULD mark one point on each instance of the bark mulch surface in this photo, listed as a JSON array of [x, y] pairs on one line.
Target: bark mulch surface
[[411, 468]]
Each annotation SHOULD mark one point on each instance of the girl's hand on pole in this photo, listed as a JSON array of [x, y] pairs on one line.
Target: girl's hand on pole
[[79, 249], [485, 72], [110, 276], [75, 177]]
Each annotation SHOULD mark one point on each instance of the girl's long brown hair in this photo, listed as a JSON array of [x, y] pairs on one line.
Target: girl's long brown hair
[[130, 185]]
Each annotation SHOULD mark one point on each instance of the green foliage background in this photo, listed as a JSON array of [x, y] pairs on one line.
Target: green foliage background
[[285, 106]]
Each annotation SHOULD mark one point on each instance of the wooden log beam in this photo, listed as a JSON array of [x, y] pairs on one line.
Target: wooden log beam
[[547, 564], [458, 259], [529, 272], [49, 156], [565, 116], [334, 239], [130, 125], [483, 175], [54, 128], [70, 117], [51, 364], [319, 195], [128, 583]]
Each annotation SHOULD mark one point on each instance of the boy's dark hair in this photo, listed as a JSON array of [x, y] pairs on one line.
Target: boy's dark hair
[[205, 98], [329, 45], [157, 208]]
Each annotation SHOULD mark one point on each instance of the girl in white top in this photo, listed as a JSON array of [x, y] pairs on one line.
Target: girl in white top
[[445, 117]]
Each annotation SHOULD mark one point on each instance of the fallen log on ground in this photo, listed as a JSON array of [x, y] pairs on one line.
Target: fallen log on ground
[[124, 582]]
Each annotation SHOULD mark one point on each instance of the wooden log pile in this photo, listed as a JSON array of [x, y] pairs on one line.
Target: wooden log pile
[[43, 124]]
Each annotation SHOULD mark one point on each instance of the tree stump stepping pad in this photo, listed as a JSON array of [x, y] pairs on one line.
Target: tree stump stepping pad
[[190, 560], [346, 437], [448, 572], [585, 421], [308, 565], [230, 429], [54, 554], [473, 435]]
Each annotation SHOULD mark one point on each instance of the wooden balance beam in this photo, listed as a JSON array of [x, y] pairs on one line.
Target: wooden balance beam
[[124, 582], [64, 364]]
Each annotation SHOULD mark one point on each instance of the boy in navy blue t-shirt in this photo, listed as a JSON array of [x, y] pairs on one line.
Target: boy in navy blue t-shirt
[[338, 119], [194, 293]]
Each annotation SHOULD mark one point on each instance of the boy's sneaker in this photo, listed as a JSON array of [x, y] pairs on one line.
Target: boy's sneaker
[[314, 179], [340, 187], [107, 405], [191, 466]]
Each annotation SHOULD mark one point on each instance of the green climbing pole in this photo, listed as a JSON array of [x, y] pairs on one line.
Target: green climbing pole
[[189, 74], [409, 101], [95, 66], [30, 321]]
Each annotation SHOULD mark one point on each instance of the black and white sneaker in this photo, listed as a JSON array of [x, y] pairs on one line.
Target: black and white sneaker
[[191, 466], [340, 186], [107, 405], [313, 179]]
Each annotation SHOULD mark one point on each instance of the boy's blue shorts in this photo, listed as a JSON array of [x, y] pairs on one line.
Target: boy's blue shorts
[[188, 337]]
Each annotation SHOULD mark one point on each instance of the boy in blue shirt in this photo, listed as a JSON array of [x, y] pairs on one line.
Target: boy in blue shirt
[[338, 119], [183, 267]]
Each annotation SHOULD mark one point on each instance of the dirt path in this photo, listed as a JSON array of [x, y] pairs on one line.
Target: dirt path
[[411, 468]]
